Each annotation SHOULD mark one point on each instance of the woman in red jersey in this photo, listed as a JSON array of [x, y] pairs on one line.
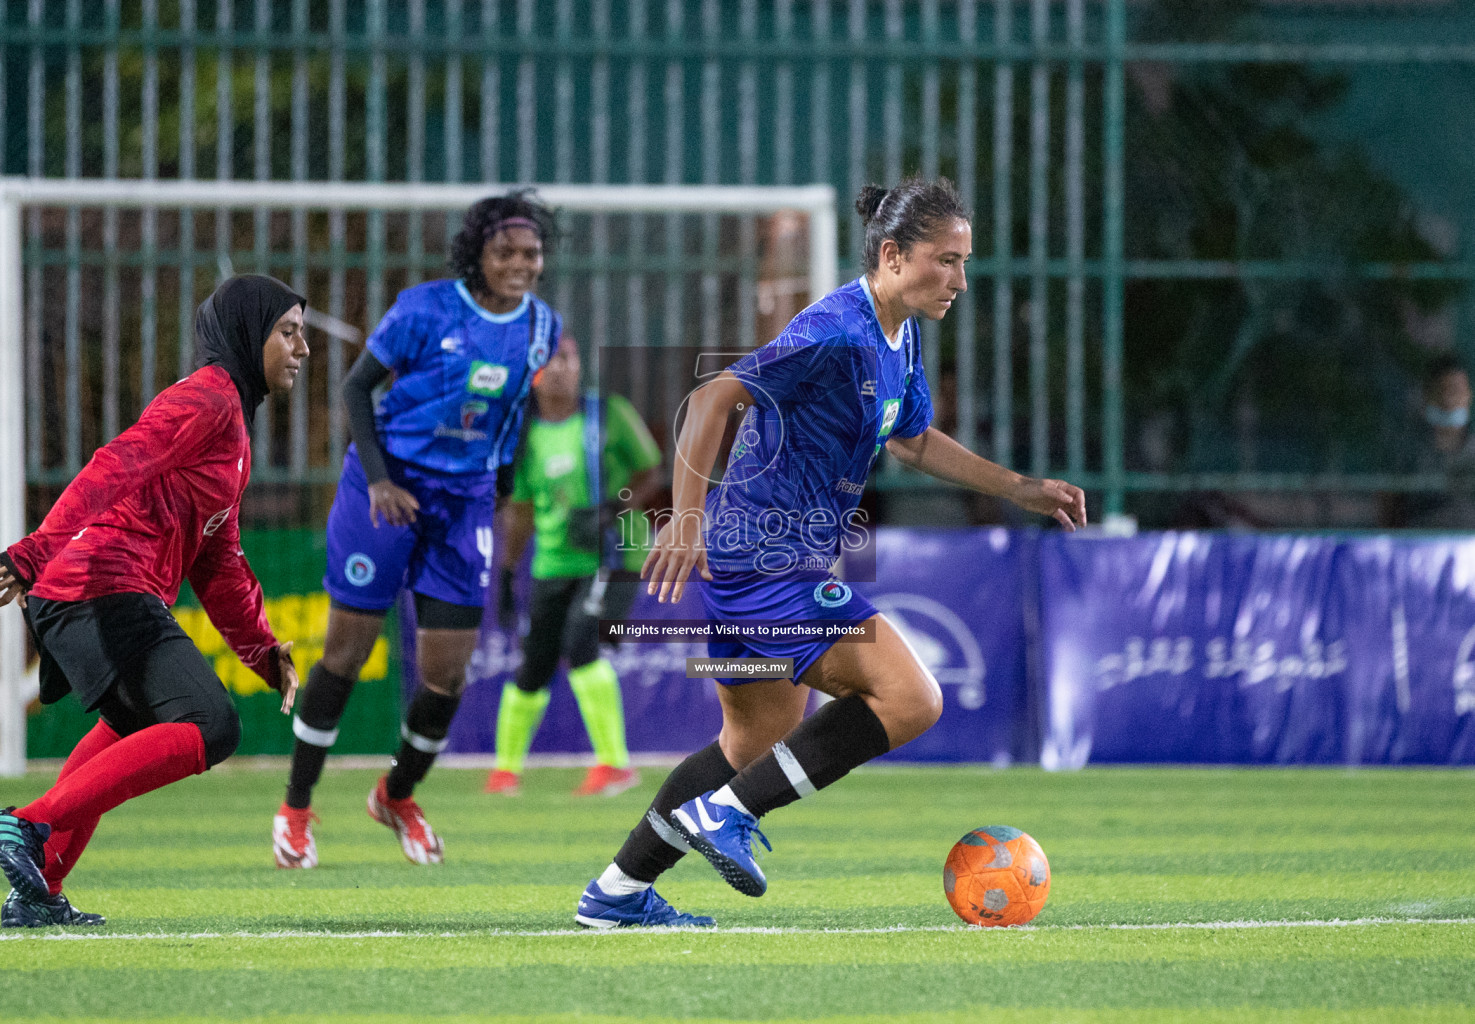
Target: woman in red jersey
[[156, 506]]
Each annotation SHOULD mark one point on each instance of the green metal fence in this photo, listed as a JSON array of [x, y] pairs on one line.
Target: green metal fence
[[1096, 342]]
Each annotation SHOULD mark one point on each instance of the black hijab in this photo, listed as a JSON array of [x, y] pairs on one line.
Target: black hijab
[[231, 328]]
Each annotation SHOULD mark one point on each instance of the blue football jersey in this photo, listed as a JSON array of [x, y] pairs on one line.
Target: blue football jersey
[[461, 377], [827, 394]]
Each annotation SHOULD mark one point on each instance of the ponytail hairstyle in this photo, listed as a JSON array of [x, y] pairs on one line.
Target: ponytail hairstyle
[[909, 213], [519, 208]]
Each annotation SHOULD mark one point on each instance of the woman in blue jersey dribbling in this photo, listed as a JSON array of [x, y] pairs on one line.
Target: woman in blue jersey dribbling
[[417, 498], [842, 381]]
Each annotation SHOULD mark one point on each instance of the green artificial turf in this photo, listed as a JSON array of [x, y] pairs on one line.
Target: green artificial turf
[[1177, 895]]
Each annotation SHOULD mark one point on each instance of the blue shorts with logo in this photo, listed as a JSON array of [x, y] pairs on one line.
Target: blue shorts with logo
[[446, 553], [802, 597]]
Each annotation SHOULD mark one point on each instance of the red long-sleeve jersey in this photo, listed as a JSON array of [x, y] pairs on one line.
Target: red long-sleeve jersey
[[158, 504]]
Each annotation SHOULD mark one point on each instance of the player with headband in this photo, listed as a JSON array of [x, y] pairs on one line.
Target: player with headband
[[416, 502]]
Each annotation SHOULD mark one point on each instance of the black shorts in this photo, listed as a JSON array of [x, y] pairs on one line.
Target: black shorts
[[86, 645], [561, 624], [126, 657]]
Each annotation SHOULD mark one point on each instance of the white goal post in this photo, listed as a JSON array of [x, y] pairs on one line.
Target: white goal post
[[817, 202]]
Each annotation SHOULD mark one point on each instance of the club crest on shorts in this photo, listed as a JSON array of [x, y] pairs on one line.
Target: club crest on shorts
[[359, 569], [832, 594]]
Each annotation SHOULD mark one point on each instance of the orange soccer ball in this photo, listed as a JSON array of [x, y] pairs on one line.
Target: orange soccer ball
[[996, 876]]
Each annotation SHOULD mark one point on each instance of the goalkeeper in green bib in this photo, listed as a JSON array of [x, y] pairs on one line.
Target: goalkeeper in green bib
[[576, 446]]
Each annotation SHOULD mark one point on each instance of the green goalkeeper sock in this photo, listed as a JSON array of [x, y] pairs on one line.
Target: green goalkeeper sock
[[518, 719], [597, 689]]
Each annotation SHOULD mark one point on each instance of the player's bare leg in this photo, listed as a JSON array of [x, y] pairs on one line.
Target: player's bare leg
[[757, 715], [884, 697], [888, 676]]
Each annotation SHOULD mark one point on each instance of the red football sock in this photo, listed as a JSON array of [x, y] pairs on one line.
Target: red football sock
[[134, 765], [64, 847]]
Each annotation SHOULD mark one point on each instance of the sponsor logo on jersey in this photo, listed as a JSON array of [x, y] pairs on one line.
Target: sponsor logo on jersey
[[487, 379], [450, 344], [889, 411], [831, 594], [849, 487], [469, 436], [470, 411], [359, 569], [214, 523], [868, 388]]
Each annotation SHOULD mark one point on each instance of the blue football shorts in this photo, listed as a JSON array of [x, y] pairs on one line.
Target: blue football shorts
[[805, 597], [446, 553]]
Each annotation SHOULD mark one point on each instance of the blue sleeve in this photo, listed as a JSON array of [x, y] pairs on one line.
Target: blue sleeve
[[773, 373], [916, 403], [556, 334], [399, 339]]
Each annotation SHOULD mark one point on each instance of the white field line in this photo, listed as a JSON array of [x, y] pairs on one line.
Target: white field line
[[500, 933]]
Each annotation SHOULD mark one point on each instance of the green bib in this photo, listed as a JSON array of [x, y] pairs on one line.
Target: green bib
[[552, 476]]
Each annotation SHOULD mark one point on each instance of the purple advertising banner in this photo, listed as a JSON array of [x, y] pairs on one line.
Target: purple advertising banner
[[1191, 647], [1168, 647], [959, 598], [1218, 648], [1411, 650]]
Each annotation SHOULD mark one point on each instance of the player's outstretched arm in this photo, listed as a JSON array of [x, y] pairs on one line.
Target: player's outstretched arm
[[936, 454], [679, 547]]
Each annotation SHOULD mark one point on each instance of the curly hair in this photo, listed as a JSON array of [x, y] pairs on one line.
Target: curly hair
[[907, 213], [484, 219]]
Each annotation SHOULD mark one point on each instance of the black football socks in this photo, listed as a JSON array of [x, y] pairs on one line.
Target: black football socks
[[822, 749], [422, 737], [653, 845], [316, 729]]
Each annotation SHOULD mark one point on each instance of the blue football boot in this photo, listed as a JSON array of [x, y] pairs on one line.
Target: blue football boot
[[23, 854], [644, 909], [724, 835], [19, 912]]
